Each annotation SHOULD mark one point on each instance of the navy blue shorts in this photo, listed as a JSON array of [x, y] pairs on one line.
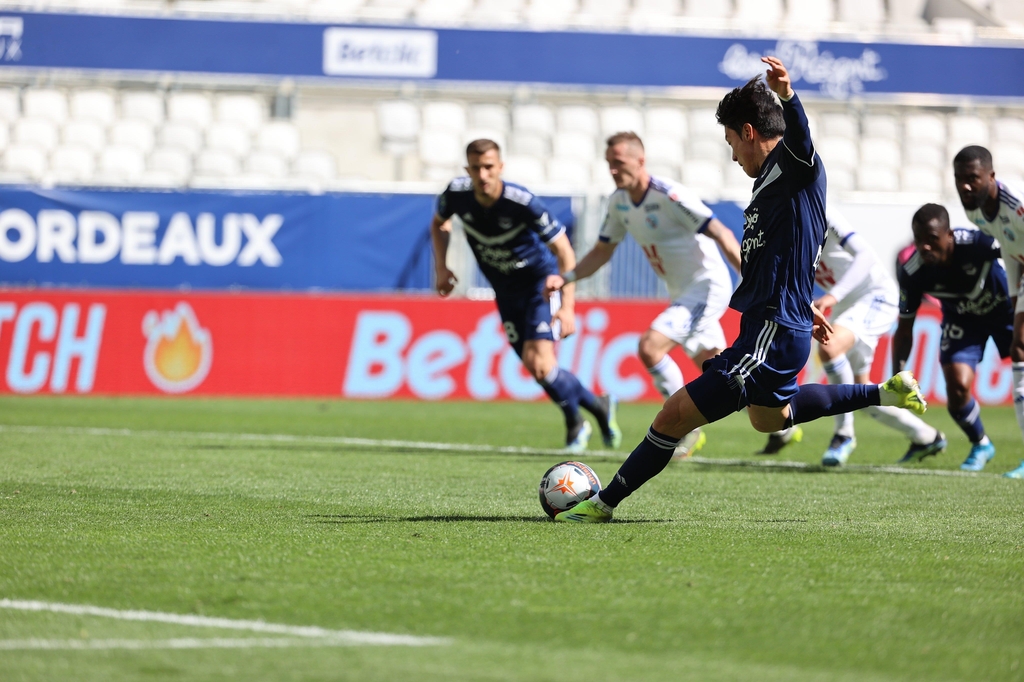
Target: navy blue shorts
[[526, 316], [963, 341], [759, 368]]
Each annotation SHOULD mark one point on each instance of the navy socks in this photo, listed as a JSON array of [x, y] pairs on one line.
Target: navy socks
[[567, 392], [644, 463], [825, 400], [969, 419]]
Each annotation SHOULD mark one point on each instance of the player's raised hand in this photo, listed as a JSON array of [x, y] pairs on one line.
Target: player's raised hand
[[778, 77], [552, 284], [821, 330], [446, 281], [566, 318]]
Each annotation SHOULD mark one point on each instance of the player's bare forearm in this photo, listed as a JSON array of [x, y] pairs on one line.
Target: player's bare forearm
[[595, 259], [566, 258], [902, 343], [726, 241], [440, 235]]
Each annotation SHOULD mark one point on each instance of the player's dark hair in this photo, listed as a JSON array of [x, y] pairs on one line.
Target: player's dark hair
[[755, 104], [930, 212], [627, 136], [482, 146], [974, 153]]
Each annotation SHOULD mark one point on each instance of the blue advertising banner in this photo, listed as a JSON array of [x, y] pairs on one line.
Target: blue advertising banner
[[836, 69], [219, 239]]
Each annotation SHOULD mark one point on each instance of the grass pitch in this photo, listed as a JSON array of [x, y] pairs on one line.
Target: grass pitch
[[711, 572]]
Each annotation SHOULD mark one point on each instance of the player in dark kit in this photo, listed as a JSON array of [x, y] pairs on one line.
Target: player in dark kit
[[782, 240], [519, 245], [960, 268]]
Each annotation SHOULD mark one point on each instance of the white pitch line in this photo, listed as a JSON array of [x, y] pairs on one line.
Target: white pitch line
[[177, 643], [337, 636], [461, 447]]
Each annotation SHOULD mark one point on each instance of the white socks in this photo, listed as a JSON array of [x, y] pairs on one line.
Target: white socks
[[903, 421], [838, 372], [668, 378]]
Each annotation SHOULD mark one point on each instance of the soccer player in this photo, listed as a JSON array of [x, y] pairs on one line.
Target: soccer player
[[998, 211], [677, 233], [782, 238], [959, 267], [519, 247], [864, 302]]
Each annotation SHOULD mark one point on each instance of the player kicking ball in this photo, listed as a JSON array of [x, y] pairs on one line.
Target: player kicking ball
[[520, 247], [998, 211], [782, 238], [960, 268], [678, 233], [864, 301]]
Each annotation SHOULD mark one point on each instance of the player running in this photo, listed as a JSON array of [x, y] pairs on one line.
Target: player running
[[782, 238], [677, 233], [960, 268], [998, 211], [865, 304], [513, 237]]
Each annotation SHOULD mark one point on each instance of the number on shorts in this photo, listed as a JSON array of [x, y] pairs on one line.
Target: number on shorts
[[511, 333], [952, 331]]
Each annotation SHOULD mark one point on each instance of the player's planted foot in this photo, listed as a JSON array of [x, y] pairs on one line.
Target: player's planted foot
[[613, 436], [777, 441], [1016, 473], [979, 456], [902, 391], [691, 443], [578, 436], [586, 511], [838, 451], [917, 452]]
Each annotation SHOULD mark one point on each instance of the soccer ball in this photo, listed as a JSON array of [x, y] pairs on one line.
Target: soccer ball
[[565, 485]]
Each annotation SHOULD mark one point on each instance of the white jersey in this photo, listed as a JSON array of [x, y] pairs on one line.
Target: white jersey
[[668, 224], [1008, 228], [849, 268]]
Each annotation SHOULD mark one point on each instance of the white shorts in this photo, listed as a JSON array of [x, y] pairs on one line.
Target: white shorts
[[692, 320], [869, 318]]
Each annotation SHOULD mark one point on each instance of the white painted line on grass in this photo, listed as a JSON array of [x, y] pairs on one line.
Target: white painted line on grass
[[338, 636], [178, 643], [465, 447]]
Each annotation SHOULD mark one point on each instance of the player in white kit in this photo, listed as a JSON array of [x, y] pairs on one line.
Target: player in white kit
[[998, 210], [864, 301], [681, 238]]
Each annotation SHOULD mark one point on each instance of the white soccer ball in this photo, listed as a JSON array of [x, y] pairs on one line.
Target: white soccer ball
[[567, 484]]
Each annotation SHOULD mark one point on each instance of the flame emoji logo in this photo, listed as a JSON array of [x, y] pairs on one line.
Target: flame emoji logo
[[178, 351]]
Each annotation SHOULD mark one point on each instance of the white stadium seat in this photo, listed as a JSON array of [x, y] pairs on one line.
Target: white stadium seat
[[133, 133], [600, 178], [450, 116], [702, 123], [25, 160], [120, 164], [334, 9], [838, 152], [965, 130], [143, 105], [876, 151], [877, 179], [230, 138], [550, 12], [576, 146], [10, 105], [500, 12], [399, 124], [862, 12], [703, 9], [442, 11], [38, 132], [5, 136], [184, 136], [190, 107], [839, 125], [73, 163], [758, 12], [85, 133], [315, 165], [809, 13], [441, 148], [925, 128], [924, 154], [246, 111], [579, 118], [524, 170], [1008, 158], [665, 171], [660, 149], [1008, 129], [604, 11], [737, 180], [665, 121], [918, 178], [529, 144], [45, 103], [493, 116], [534, 118], [570, 172], [279, 136], [621, 119], [842, 179], [653, 13], [93, 105], [266, 164], [472, 134], [703, 175], [707, 149], [216, 163], [387, 10], [173, 161], [881, 125]]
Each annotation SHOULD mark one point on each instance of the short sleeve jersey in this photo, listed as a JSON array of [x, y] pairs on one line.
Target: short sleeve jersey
[[668, 224], [784, 229], [1008, 224], [508, 238], [837, 261], [972, 288]]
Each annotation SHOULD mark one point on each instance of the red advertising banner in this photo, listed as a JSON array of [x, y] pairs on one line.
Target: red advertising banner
[[237, 344]]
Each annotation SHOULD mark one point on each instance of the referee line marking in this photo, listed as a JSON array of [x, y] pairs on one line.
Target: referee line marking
[[468, 447], [176, 643], [334, 637]]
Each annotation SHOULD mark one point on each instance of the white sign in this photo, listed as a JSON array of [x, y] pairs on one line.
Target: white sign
[[380, 52]]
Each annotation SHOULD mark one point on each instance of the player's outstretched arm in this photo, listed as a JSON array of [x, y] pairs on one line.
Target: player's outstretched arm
[[565, 315], [902, 343], [797, 137], [440, 234], [726, 242], [591, 263]]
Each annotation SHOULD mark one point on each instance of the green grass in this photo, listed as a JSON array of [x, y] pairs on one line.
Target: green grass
[[711, 572]]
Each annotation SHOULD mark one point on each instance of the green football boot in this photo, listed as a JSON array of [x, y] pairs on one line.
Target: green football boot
[[584, 512], [907, 394]]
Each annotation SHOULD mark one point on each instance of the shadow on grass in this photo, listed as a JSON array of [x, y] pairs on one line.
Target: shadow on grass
[[446, 518]]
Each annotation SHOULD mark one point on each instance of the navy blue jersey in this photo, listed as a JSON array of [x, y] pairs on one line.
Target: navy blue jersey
[[972, 288], [508, 238], [784, 229]]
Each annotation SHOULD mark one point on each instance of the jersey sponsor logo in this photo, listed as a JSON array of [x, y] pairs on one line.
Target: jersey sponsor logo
[[652, 221], [499, 259], [1010, 236], [621, 207], [652, 207], [751, 244], [506, 223]]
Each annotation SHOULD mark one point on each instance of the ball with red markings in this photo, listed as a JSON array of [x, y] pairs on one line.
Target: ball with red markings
[[565, 485]]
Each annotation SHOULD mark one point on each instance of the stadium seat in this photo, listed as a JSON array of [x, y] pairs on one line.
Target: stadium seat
[[501, 12], [492, 116], [881, 125], [665, 171], [93, 105], [133, 133], [216, 163], [334, 9], [120, 164], [190, 107], [575, 146], [315, 165], [600, 178], [654, 13], [703, 9], [570, 172], [446, 116], [173, 161], [266, 164], [524, 170], [472, 134], [704, 176], [246, 111], [604, 12], [665, 121], [441, 148], [739, 183], [921, 178], [72, 163], [924, 154], [25, 160], [662, 149], [862, 12], [874, 178], [925, 128], [38, 132], [158, 178], [10, 105], [86, 133], [702, 123], [550, 12], [399, 124], [842, 179], [387, 10], [875, 151], [442, 11], [279, 136], [966, 130], [707, 149], [839, 125], [1008, 129], [618, 119], [45, 103], [838, 152], [529, 144], [1008, 158], [533, 118], [182, 136], [143, 105], [5, 136], [809, 14], [757, 12], [230, 138], [579, 118]]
